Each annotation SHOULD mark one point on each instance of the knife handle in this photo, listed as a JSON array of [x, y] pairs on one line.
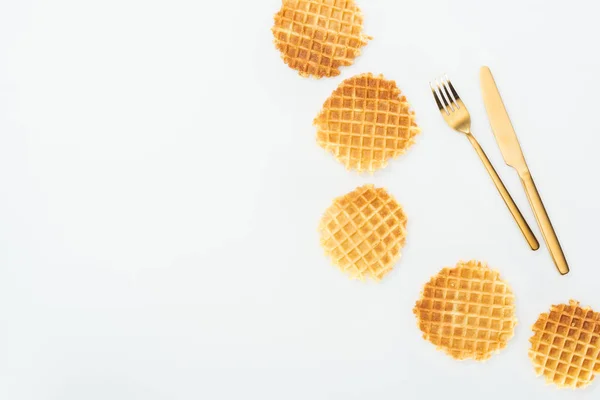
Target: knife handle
[[510, 203], [544, 222]]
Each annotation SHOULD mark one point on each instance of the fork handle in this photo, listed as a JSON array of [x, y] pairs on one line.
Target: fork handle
[[510, 203], [544, 222]]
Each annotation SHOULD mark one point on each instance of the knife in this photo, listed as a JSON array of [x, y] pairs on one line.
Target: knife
[[513, 156]]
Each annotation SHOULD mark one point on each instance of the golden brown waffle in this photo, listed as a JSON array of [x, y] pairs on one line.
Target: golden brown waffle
[[467, 311], [365, 122], [565, 346], [316, 37], [363, 232]]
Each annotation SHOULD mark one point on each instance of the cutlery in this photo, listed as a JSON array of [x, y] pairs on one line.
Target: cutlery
[[513, 156], [458, 118]]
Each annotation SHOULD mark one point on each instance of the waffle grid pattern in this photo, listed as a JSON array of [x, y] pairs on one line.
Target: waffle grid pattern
[[363, 231], [365, 122], [467, 311], [316, 37], [565, 346]]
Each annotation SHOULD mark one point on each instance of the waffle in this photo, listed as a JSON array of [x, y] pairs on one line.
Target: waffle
[[467, 311], [565, 346], [365, 122], [363, 231], [316, 37]]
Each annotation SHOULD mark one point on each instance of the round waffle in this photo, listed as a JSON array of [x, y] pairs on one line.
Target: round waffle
[[365, 122], [316, 37], [565, 346], [363, 232], [467, 311]]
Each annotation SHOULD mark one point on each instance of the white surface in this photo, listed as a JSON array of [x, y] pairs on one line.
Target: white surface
[[160, 189]]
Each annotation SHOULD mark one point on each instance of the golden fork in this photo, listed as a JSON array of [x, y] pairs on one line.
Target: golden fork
[[458, 118]]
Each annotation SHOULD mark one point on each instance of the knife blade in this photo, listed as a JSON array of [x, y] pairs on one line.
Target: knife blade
[[513, 156], [500, 122]]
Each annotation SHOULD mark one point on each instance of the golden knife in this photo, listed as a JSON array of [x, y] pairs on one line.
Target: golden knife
[[513, 156]]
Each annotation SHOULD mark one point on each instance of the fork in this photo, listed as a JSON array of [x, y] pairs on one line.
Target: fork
[[458, 118]]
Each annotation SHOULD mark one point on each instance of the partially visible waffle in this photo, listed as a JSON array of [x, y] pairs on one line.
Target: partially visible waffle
[[363, 231], [565, 346], [365, 122], [316, 37], [467, 311]]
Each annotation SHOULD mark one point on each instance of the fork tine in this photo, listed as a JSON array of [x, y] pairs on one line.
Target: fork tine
[[437, 99], [447, 100], [456, 96], [450, 91]]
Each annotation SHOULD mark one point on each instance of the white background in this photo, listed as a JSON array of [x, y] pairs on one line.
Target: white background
[[161, 187]]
